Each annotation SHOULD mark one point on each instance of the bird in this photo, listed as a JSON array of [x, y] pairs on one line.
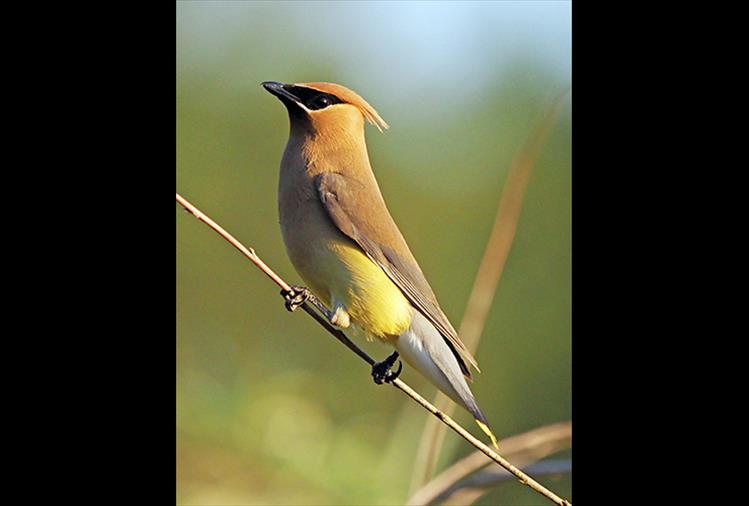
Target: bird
[[345, 245]]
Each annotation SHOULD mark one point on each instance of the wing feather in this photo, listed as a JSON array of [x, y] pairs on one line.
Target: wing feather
[[382, 241]]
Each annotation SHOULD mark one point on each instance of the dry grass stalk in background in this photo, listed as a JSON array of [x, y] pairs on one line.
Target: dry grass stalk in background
[[472, 488], [397, 383], [523, 449], [487, 278]]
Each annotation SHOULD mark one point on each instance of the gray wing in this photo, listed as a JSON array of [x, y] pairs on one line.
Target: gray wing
[[381, 240]]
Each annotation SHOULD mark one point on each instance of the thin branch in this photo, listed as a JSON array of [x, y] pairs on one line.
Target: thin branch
[[397, 383], [487, 278], [523, 449], [248, 252], [252, 256]]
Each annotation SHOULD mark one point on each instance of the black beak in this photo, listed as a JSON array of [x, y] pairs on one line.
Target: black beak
[[281, 91]]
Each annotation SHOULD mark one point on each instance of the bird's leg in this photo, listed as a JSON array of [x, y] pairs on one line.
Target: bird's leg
[[381, 370], [298, 295], [295, 297]]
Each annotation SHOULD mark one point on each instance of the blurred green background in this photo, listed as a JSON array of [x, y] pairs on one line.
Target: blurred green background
[[272, 410]]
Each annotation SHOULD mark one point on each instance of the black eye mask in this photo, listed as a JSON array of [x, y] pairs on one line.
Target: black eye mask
[[312, 99]]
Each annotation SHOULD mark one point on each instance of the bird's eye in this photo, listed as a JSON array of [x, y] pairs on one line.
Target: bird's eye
[[321, 101]]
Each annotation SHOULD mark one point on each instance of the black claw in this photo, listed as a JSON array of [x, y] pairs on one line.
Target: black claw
[[381, 370], [295, 297]]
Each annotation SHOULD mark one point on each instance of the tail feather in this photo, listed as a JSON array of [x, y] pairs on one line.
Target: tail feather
[[424, 348], [484, 427], [482, 422]]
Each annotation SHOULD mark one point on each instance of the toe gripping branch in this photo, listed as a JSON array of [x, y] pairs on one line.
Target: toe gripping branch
[[381, 372], [295, 297]]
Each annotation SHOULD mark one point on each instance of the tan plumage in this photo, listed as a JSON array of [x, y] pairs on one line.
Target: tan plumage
[[346, 246]]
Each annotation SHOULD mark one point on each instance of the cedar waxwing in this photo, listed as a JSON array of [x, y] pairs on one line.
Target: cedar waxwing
[[344, 244]]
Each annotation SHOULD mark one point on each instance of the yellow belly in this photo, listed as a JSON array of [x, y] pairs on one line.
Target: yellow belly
[[336, 270]]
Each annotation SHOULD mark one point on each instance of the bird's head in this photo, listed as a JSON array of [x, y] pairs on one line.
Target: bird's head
[[325, 106]]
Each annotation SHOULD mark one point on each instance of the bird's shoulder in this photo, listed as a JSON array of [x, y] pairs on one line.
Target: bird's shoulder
[[357, 207]]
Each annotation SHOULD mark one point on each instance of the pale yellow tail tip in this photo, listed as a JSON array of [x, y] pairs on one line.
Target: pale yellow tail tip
[[488, 432]]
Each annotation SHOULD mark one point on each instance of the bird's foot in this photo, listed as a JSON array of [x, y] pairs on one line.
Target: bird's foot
[[381, 370], [295, 297]]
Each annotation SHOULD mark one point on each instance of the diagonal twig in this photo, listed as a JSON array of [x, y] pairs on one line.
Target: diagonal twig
[[397, 383]]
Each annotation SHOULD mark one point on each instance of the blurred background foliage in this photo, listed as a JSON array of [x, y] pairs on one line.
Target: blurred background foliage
[[270, 409]]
